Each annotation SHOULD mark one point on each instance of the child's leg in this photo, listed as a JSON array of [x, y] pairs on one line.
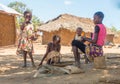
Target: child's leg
[[49, 61], [86, 58], [24, 57], [76, 56], [31, 57]]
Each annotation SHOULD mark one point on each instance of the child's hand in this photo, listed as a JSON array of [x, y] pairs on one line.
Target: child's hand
[[17, 52], [82, 38], [33, 38], [38, 30]]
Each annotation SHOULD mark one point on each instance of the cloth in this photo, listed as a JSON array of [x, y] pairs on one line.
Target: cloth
[[79, 38], [96, 51], [53, 57], [25, 40], [48, 70], [79, 45]]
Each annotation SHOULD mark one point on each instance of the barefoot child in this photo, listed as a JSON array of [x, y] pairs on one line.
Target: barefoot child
[[78, 43], [26, 38], [52, 54], [98, 37], [79, 34]]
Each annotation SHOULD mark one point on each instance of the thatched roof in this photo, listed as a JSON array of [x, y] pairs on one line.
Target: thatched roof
[[8, 10], [69, 22], [109, 31]]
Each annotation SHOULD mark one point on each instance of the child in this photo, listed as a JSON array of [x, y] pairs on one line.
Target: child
[[79, 34], [52, 54], [98, 37], [78, 43], [26, 38]]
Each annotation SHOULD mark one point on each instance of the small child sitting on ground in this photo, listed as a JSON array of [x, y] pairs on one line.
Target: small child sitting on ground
[[52, 54]]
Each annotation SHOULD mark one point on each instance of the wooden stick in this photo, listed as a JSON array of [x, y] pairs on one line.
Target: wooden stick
[[112, 57]]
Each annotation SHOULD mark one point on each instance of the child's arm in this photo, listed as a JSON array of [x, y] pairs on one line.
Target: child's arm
[[47, 51], [19, 41], [34, 35], [19, 36], [87, 39], [95, 36], [59, 48]]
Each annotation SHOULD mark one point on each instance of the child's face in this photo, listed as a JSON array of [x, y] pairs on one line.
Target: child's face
[[56, 42], [27, 17], [96, 19], [79, 31]]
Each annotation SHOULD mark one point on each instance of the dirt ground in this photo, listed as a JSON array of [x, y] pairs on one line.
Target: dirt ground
[[11, 71]]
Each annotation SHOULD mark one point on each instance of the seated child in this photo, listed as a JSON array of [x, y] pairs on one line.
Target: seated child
[[78, 44], [78, 39], [52, 54], [79, 34], [98, 37]]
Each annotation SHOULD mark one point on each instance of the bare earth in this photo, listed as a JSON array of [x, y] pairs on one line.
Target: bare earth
[[11, 71]]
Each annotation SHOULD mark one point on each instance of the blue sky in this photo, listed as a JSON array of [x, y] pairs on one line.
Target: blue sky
[[49, 9]]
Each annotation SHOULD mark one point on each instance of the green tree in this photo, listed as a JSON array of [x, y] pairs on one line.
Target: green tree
[[113, 29], [21, 7], [36, 21], [118, 30], [18, 6]]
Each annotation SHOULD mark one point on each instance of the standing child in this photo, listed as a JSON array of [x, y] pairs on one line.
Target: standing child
[[98, 37], [26, 38], [52, 54]]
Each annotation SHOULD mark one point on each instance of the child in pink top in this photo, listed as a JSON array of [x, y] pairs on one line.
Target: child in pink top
[[98, 37]]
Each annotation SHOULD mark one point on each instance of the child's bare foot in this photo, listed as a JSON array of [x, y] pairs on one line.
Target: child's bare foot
[[38, 67], [86, 61], [24, 66], [77, 64], [33, 65]]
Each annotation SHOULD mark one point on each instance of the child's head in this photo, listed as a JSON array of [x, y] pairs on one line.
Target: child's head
[[27, 16], [56, 39], [98, 17], [79, 31]]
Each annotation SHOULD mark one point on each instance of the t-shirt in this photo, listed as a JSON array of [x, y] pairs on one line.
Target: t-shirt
[[79, 38]]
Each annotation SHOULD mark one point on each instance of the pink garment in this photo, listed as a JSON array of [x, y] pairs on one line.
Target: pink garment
[[101, 35]]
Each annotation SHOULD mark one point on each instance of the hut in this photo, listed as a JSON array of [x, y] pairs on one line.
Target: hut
[[7, 25], [65, 26], [117, 38], [110, 36]]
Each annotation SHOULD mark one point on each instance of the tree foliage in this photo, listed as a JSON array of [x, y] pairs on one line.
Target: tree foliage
[[18, 6], [21, 7], [114, 29]]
